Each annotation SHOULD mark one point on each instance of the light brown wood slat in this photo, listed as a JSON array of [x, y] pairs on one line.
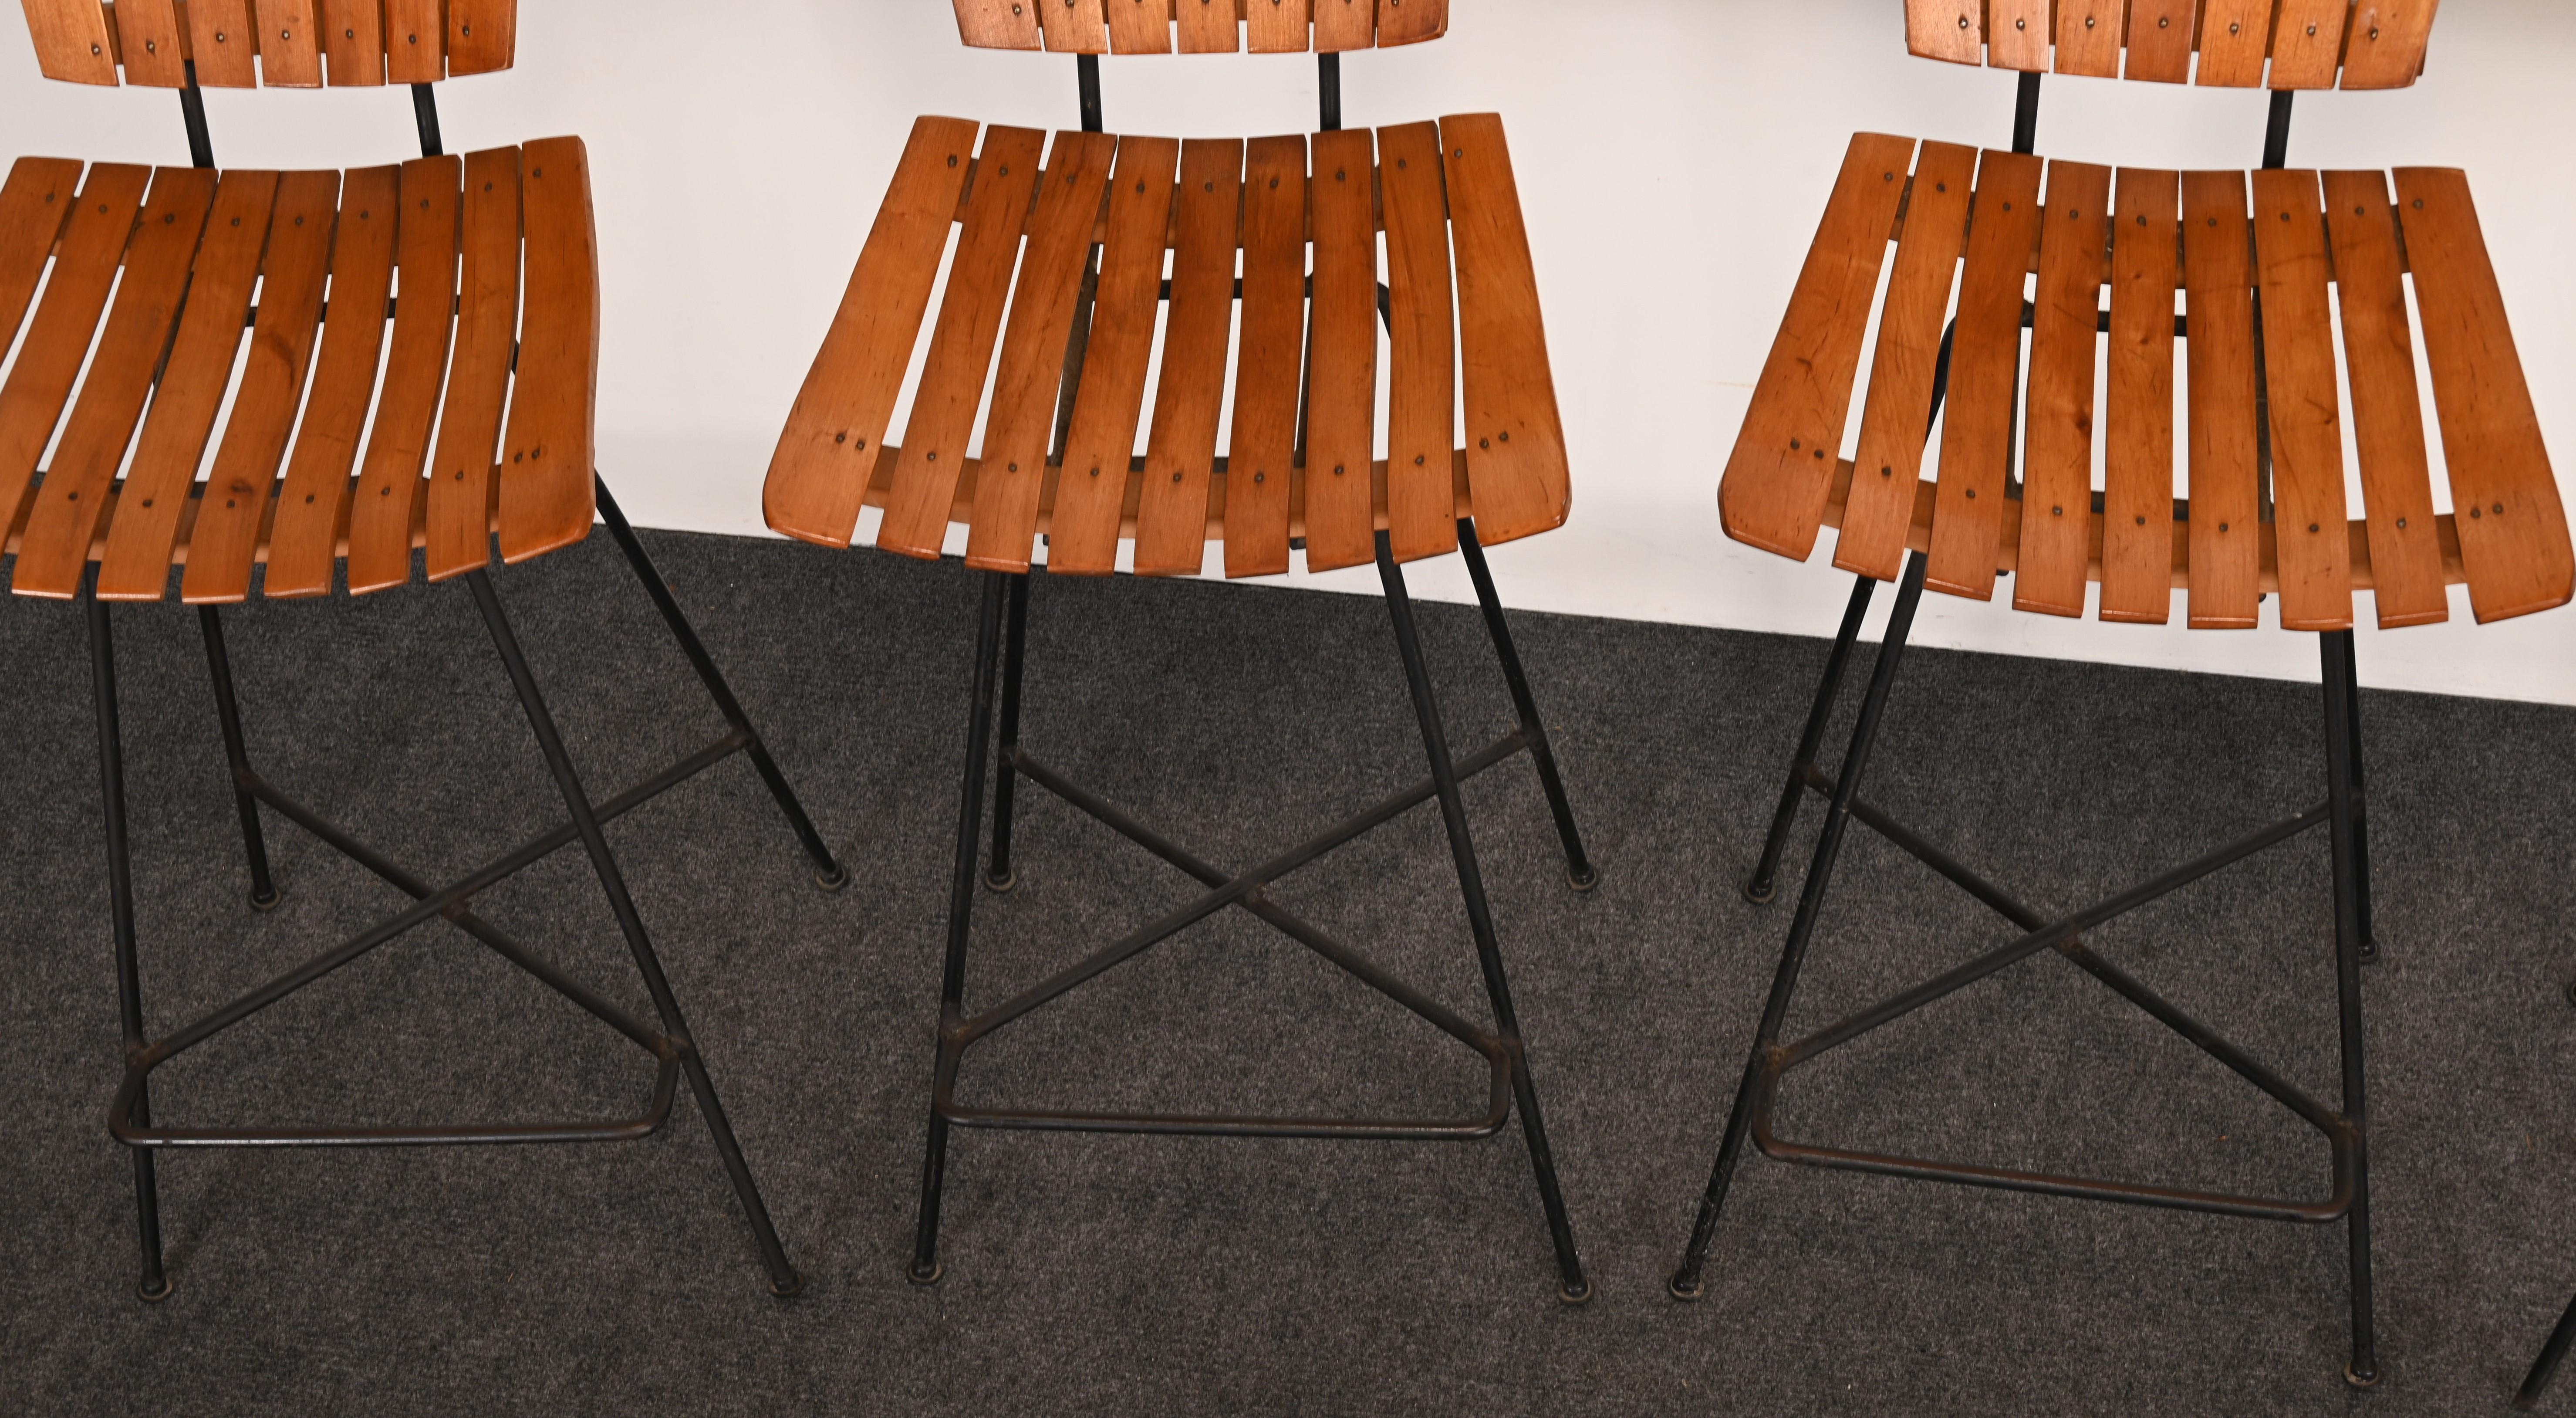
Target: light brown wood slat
[[1879, 511], [2385, 49], [2407, 582], [49, 358], [353, 42], [63, 517], [1073, 26], [2019, 34], [1011, 489], [1422, 347], [195, 374], [1341, 399], [549, 489], [312, 502], [2313, 540], [1180, 452], [482, 35], [2307, 43], [1091, 491], [997, 24], [2137, 430], [224, 41], [389, 480], [1140, 26], [1410, 21], [225, 538], [413, 52], [1270, 359], [2160, 35], [2218, 291], [1976, 424], [2235, 37], [72, 42], [2050, 571], [1945, 29], [1342, 25], [34, 203], [290, 49], [462, 489], [2088, 37], [1276, 26], [2512, 524], [152, 43], [819, 475], [1517, 476], [1208, 27], [1773, 493], [961, 344]]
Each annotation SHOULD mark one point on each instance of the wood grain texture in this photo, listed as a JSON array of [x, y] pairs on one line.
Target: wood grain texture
[[224, 40], [2218, 286], [413, 52], [2385, 48], [290, 44], [1207, 27], [1140, 26], [2088, 37], [1516, 462], [1422, 347], [390, 485], [353, 43], [72, 41], [2313, 543], [2138, 531], [1341, 407], [1276, 26], [462, 486], [1092, 489], [1073, 26], [997, 24], [2235, 39], [1180, 451], [482, 35], [1272, 348], [1773, 493], [2020, 35], [2307, 43], [2160, 36], [1342, 25], [225, 538], [2512, 524], [1879, 513], [2407, 580], [1945, 29], [549, 488], [1976, 425], [2050, 571], [152, 43], [313, 501], [35, 201], [50, 354], [1410, 21]]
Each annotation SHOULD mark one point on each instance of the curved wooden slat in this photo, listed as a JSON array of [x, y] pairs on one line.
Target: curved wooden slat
[[2307, 43], [413, 51], [290, 48], [1410, 21], [2089, 37], [2313, 550], [1422, 347], [389, 481], [2289, 44], [1977, 422], [998, 24], [2218, 290], [72, 41], [313, 503], [2235, 39], [2137, 432], [548, 489], [1881, 505], [482, 36], [1092, 488], [1277, 27], [1262, 449], [463, 493], [1140, 26], [279, 43], [2387, 411], [34, 203], [2057, 438], [1207, 26], [1180, 453], [49, 357], [353, 43], [223, 39], [1343, 25], [2385, 48], [1073, 26], [152, 44], [2020, 36], [1950, 29], [1516, 463], [2160, 37], [1341, 402]]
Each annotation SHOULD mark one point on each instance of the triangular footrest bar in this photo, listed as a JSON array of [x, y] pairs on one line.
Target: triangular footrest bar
[[121, 1124]]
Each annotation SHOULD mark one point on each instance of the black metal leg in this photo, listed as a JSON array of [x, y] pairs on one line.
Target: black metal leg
[[925, 1267], [2349, 888], [1763, 884], [998, 873], [1579, 871], [155, 1283], [219, 667], [1573, 1288], [1686, 1282], [783, 1279], [2360, 802], [828, 872], [2545, 1368]]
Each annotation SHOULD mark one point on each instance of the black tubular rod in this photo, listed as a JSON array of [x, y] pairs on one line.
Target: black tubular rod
[[2336, 652], [2053, 1184], [2276, 130], [1941, 376], [154, 1283], [1573, 1287], [1811, 741], [658, 1111], [2026, 115], [997, 869], [1086, 72], [192, 112], [424, 111], [827, 870], [1685, 1282], [1578, 867], [961, 908], [219, 668], [1328, 92], [2360, 803], [2545, 1367], [783, 1279]]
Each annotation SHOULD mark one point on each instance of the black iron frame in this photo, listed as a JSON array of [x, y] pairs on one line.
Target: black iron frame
[[2344, 1128], [1001, 635], [668, 1040]]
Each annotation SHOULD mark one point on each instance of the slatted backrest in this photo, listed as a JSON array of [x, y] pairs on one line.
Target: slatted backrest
[[2281, 44], [280, 43], [2263, 266], [395, 418], [1414, 229], [1199, 26]]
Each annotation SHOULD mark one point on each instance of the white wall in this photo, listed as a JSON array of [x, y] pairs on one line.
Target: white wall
[[1673, 155]]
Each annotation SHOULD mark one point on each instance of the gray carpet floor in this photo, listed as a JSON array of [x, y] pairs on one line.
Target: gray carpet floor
[[1126, 1274]]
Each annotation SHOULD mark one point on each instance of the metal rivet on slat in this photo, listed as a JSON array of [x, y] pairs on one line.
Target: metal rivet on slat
[[2142, 521], [1885, 471], [148, 502], [1484, 443], [2057, 512], [283, 34], [2222, 526], [2374, 34], [931, 457], [74, 496], [411, 39], [169, 217], [2285, 216], [2499, 509], [236, 221], [2164, 22], [2473, 512], [2233, 26], [1340, 175], [1963, 22], [1417, 460], [2312, 526], [2312, 30], [2360, 212], [1096, 472], [1176, 477], [308, 498], [840, 438], [219, 36], [348, 34], [151, 46], [2419, 204], [1337, 470], [2007, 206], [1941, 186], [2090, 21], [229, 502], [1207, 187], [2021, 24], [952, 159], [2401, 524], [467, 31], [93, 49], [1014, 467], [1260, 477], [1972, 494], [1274, 186]]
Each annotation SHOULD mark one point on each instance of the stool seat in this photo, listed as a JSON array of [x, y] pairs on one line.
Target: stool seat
[[385, 362], [1221, 231], [1199, 26], [2267, 503]]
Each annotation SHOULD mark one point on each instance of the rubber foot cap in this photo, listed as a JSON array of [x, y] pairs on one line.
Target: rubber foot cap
[[833, 880], [151, 1296], [788, 1289], [1584, 880], [1000, 884], [2357, 1379], [1689, 1295], [1760, 893], [914, 1274], [1571, 1298], [270, 904]]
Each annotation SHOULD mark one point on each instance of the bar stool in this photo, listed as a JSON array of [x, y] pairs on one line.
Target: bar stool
[[333, 259], [1103, 232], [2262, 270]]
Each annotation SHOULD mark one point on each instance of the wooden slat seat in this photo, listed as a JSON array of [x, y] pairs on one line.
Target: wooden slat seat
[[240, 44], [419, 372], [2280, 44], [1199, 26], [1173, 224], [2264, 265]]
